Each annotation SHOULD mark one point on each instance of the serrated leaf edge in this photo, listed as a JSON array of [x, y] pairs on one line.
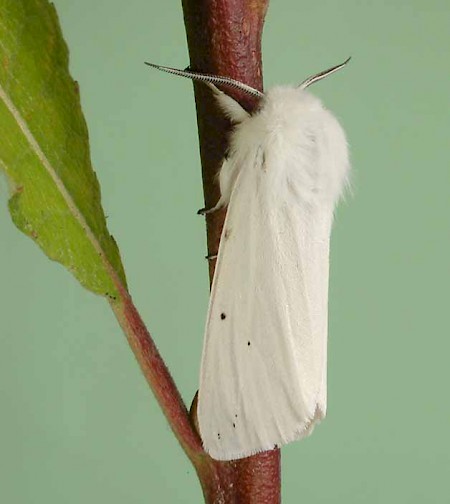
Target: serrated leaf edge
[[58, 182]]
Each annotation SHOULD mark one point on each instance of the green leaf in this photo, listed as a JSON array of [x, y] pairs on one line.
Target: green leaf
[[44, 148]]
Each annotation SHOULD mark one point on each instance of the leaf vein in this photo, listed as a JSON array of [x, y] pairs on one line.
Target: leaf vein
[[56, 179]]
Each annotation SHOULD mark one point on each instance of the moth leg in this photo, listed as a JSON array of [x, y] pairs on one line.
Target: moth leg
[[211, 257], [206, 211]]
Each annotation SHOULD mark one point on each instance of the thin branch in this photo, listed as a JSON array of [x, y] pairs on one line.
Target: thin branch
[[224, 38], [157, 375]]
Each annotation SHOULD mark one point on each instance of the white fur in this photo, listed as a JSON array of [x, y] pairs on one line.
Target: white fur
[[286, 169]]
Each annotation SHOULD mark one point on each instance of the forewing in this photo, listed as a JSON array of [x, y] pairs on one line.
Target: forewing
[[263, 369]]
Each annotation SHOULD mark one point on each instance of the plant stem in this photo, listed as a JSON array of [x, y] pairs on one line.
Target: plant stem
[[224, 38], [157, 375]]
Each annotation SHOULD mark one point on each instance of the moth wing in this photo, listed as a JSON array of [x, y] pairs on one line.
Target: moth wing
[[263, 371]]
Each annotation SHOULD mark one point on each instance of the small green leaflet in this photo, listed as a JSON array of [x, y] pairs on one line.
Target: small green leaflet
[[44, 148]]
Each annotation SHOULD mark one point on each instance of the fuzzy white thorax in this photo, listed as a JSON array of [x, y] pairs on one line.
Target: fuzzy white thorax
[[303, 144]]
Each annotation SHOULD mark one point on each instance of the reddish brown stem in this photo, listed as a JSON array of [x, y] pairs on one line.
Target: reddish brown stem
[[157, 375], [224, 38]]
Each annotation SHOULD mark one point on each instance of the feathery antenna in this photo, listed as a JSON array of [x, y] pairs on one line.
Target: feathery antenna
[[322, 75], [213, 79]]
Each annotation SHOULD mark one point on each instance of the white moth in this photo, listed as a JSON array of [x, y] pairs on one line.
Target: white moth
[[264, 365]]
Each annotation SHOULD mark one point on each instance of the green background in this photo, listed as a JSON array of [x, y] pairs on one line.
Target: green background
[[77, 421]]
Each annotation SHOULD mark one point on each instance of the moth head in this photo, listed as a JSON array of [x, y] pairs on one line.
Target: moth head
[[227, 81]]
